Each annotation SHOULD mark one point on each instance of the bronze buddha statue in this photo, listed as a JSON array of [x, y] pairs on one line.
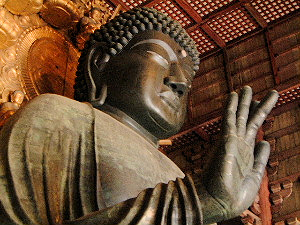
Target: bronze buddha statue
[[66, 162]]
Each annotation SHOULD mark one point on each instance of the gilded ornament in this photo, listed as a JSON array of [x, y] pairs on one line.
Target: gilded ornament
[[8, 108], [9, 30], [17, 97], [11, 27], [47, 62], [98, 14], [2, 2], [24, 7], [9, 81], [62, 13]]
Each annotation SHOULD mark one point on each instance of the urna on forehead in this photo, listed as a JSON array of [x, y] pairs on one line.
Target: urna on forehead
[[121, 30]]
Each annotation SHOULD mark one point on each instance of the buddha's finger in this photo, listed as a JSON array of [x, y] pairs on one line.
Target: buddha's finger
[[229, 123], [253, 106], [262, 152], [243, 110], [259, 115]]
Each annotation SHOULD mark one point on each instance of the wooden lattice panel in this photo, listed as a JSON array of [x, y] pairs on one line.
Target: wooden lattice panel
[[133, 3], [173, 11], [110, 7], [233, 24], [203, 42], [205, 7], [183, 140], [272, 10], [288, 96], [212, 127]]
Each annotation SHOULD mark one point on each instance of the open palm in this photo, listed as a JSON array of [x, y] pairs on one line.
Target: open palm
[[234, 177]]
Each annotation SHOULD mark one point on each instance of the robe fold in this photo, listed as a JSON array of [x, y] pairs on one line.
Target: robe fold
[[64, 162]]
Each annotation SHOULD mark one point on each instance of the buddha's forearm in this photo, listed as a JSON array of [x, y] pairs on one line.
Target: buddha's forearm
[[174, 203]]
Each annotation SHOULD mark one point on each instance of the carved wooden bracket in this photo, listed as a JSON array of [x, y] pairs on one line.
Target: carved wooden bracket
[[252, 216], [249, 217], [290, 221], [273, 163], [280, 191], [272, 167]]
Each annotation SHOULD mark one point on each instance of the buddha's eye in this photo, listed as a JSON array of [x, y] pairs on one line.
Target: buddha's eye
[[159, 59]]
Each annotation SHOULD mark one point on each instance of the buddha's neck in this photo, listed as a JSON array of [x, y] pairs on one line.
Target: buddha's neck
[[128, 121]]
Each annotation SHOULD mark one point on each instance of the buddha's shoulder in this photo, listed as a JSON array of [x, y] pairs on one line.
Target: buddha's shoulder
[[55, 109], [56, 104], [54, 100]]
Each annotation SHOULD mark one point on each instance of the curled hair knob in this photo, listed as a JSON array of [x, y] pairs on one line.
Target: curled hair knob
[[134, 30], [128, 35], [123, 41], [112, 51], [150, 16], [158, 26]]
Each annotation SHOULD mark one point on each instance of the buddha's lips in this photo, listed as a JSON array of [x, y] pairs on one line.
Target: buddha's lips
[[171, 99]]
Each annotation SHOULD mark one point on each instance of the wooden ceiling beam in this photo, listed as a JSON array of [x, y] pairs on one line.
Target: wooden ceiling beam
[[150, 3], [198, 19], [202, 134], [227, 71], [284, 155], [284, 131], [189, 10], [213, 35], [253, 12], [284, 108], [119, 2], [270, 49], [222, 11]]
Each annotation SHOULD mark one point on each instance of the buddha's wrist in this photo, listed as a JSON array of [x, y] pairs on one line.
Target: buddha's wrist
[[212, 210]]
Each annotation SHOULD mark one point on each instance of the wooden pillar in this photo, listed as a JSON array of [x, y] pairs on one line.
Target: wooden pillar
[[264, 193], [264, 202]]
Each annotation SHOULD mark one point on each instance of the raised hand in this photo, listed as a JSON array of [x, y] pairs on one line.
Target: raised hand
[[235, 174]]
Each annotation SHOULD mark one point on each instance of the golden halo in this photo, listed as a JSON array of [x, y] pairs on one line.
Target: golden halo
[[47, 62], [62, 13]]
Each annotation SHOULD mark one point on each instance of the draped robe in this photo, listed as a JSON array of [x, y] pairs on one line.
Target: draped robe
[[64, 162]]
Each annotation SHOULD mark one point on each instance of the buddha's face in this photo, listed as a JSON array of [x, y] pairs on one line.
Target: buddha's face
[[149, 81]]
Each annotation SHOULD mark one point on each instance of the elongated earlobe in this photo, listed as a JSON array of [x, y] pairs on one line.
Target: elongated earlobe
[[95, 62]]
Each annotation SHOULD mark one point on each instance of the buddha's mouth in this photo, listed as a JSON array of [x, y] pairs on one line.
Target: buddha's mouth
[[171, 100]]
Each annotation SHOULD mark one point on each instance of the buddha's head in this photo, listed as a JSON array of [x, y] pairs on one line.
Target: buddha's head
[[141, 63]]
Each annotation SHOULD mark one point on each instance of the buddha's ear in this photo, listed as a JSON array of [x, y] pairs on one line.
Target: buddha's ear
[[96, 60]]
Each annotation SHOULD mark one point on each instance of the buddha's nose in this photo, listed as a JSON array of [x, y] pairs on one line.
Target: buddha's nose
[[177, 86], [177, 80]]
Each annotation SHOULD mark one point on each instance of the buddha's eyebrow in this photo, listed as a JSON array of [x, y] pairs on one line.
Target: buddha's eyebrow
[[172, 55]]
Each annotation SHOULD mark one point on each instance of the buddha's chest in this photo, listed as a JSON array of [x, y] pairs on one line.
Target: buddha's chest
[[128, 164]]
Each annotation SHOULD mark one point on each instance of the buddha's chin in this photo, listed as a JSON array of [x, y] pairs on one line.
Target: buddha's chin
[[164, 128]]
